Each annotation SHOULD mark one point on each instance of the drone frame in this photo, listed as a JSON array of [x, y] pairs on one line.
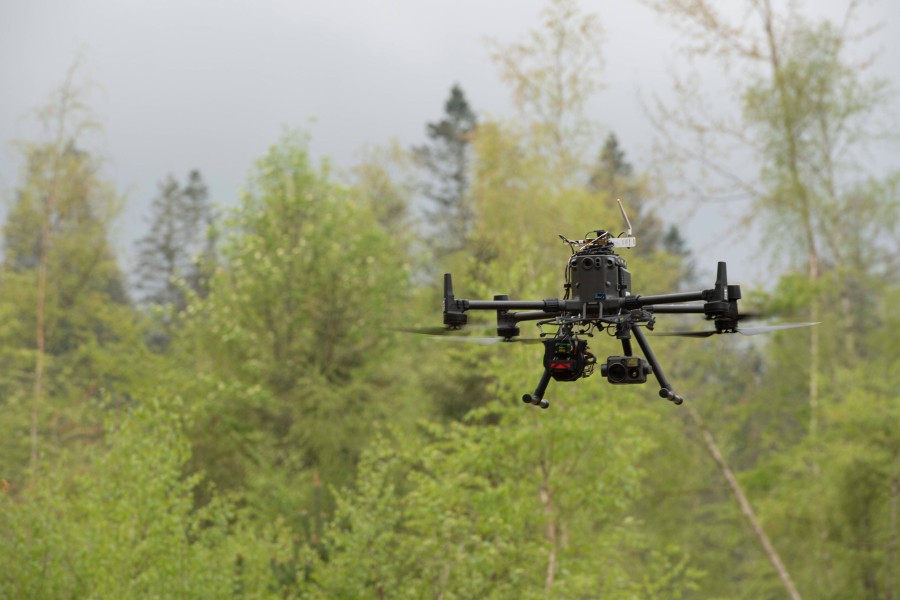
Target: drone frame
[[628, 314]]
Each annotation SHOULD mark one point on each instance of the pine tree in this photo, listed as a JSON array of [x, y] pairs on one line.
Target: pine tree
[[445, 161], [611, 172], [176, 252]]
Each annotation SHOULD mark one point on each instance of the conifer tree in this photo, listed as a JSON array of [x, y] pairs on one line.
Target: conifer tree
[[612, 171], [177, 249], [445, 162], [613, 176]]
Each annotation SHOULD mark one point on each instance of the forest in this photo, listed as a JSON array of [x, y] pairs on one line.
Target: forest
[[239, 415]]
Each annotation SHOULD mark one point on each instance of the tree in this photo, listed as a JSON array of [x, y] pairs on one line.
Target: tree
[[531, 481], [176, 251], [613, 176], [126, 526], [807, 113], [384, 179], [63, 283], [611, 168], [445, 162], [553, 72], [523, 507], [288, 350]]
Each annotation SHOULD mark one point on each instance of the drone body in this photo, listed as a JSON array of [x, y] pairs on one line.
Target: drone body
[[598, 297]]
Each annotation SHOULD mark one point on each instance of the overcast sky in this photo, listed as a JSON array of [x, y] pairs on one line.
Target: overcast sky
[[211, 84]]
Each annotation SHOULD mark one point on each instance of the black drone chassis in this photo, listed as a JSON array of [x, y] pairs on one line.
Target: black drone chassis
[[612, 308]]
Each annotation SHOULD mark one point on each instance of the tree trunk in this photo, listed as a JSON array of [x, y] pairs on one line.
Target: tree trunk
[[890, 587], [550, 528], [40, 336], [744, 503], [804, 208], [551, 534], [59, 114]]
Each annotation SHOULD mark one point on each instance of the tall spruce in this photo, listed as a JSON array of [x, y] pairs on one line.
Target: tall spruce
[[445, 162], [177, 251], [614, 176], [612, 172]]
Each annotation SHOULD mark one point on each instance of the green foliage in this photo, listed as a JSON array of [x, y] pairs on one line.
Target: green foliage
[[855, 485], [72, 345], [811, 116], [291, 337], [382, 180], [317, 454], [800, 426], [611, 166], [552, 72], [80, 258], [523, 508], [125, 526]]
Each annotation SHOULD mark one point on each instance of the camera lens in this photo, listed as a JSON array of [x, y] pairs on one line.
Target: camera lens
[[617, 372], [587, 263]]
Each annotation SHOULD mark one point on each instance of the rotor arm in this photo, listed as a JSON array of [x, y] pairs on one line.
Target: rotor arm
[[455, 309], [718, 302], [542, 305], [632, 302], [536, 315], [697, 309]]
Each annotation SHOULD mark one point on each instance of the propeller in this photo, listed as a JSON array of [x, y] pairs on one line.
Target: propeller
[[488, 341], [447, 334], [442, 331], [741, 330], [446, 331], [770, 328], [751, 316]]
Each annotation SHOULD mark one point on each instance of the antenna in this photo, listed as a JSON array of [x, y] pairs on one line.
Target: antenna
[[629, 241], [624, 216]]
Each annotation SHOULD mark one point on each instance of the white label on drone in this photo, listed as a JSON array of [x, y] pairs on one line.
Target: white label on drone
[[624, 242]]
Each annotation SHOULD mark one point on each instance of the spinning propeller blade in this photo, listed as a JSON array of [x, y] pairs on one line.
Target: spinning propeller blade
[[769, 328], [741, 330], [686, 333], [445, 334], [488, 341], [442, 331]]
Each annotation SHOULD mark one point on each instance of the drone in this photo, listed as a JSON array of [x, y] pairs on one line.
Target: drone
[[598, 298]]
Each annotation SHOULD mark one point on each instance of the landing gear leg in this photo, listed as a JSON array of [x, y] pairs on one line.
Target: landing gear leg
[[537, 398], [665, 390]]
